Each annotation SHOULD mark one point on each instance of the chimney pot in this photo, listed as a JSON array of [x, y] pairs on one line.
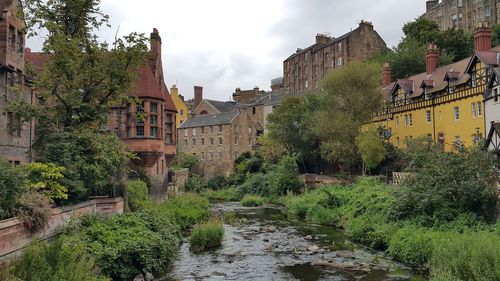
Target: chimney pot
[[482, 38], [431, 58]]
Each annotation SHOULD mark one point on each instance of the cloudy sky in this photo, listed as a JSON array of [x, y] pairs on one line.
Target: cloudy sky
[[225, 44]]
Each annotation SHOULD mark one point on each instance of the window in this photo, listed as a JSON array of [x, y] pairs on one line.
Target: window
[[169, 124], [495, 94], [154, 132], [202, 131], [479, 109], [429, 137], [460, 3], [139, 131], [428, 116], [211, 141], [129, 132], [220, 129], [202, 155], [410, 119], [202, 141], [10, 123], [212, 130], [10, 79], [236, 129], [19, 77], [253, 110], [220, 155], [236, 155], [220, 140], [186, 142], [211, 156], [194, 142], [339, 47], [474, 110], [154, 120], [11, 39], [194, 132], [236, 140], [456, 113], [181, 112], [397, 141], [340, 61], [473, 79], [153, 107], [186, 132]]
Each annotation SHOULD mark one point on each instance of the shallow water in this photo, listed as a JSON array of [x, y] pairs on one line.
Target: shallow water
[[264, 244]]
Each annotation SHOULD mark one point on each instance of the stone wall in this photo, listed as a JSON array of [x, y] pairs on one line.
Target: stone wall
[[14, 237]]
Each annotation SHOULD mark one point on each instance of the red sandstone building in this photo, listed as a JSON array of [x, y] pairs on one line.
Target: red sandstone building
[[15, 136], [303, 70]]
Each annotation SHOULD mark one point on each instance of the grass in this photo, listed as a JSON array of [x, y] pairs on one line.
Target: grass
[[186, 209], [252, 201], [207, 236], [230, 194]]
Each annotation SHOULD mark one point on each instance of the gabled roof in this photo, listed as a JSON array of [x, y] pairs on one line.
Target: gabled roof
[[488, 57], [146, 85], [209, 120]]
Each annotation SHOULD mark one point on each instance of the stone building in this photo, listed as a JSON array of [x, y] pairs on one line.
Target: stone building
[[15, 136], [303, 70], [463, 14], [148, 128]]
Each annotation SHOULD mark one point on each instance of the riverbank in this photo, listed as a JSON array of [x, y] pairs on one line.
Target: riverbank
[[462, 249]]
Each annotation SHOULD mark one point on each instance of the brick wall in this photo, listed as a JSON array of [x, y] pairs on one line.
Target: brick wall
[[14, 237]]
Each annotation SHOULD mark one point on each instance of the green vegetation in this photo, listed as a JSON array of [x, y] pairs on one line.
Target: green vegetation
[[185, 161], [185, 210], [136, 195], [11, 181], [46, 178], [34, 210], [371, 148], [66, 258], [207, 236], [225, 194], [252, 201]]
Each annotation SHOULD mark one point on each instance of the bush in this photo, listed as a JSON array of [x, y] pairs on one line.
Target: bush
[[217, 183], [226, 194], [130, 244], [185, 161], [257, 184], [46, 179], [194, 184], [186, 210], [285, 177], [466, 257], [136, 195], [65, 258], [252, 201], [411, 245], [445, 185], [11, 182], [34, 211], [207, 236]]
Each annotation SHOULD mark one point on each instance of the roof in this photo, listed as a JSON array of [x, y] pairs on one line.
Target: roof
[[146, 85], [36, 59], [169, 102], [209, 120], [223, 106], [318, 46]]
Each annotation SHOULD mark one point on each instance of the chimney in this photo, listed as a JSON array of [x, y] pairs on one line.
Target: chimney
[[174, 91], [482, 38], [155, 45], [386, 74], [430, 4], [431, 58], [27, 50], [198, 95], [322, 38]]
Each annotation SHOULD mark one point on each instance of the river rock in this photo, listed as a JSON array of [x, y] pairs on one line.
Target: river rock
[[139, 277], [335, 265], [308, 237], [149, 276], [345, 254], [313, 249]]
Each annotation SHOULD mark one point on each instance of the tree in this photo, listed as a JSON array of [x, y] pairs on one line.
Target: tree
[[496, 34], [371, 147], [81, 80], [46, 179], [185, 161], [350, 97], [290, 126], [285, 176]]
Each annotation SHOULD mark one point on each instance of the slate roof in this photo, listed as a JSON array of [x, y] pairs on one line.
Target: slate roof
[[223, 106], [209, 120], [146, 85]]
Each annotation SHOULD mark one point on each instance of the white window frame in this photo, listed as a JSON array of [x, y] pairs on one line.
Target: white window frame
[[456, 113]]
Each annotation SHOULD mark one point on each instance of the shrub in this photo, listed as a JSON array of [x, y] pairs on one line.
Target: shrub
[[194, 184], [207, 236], [257, 184], [217, 182], [252, 201], [226, 194], [34, 210], [285, 177], [130, 244], [65, 258], [322, 215], [46, 178], [186, 210], [185, 161], [136, 195], [447, 184], [464, 257], [11, 182], [411, 245]]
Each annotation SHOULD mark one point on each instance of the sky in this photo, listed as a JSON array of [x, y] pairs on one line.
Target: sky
[[222, 45]]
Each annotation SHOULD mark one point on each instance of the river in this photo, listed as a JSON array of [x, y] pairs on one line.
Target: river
[[265, 244]]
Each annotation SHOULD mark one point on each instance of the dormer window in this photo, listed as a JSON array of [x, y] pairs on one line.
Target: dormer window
[[427, 95], [473, 79]]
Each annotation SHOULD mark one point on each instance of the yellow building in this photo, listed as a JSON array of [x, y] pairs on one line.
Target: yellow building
[[182, 109], [444, 104]]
